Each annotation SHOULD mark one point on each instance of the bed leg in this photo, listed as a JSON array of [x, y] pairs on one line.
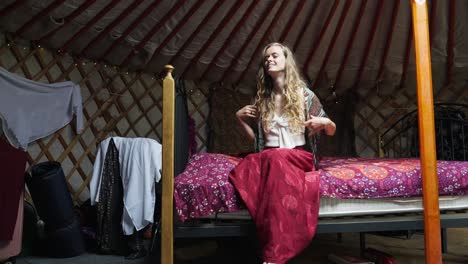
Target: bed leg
[[443, 235], [362, 243]]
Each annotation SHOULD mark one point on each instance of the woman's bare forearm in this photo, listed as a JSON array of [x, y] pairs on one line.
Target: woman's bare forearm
[[247, 129], [248, 112], [330, 128]]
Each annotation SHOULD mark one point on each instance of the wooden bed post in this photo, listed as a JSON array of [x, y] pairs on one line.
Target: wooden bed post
[[167, 232], [427, 133]]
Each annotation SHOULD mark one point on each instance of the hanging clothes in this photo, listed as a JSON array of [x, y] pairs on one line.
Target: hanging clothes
[[13, 247], [32, 110], [13, 164], [140, 168], [110, 238]]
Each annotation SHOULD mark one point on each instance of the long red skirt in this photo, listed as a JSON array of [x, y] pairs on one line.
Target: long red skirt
[[282, 198]]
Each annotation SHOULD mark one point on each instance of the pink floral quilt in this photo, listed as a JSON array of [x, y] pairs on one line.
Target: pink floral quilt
[[204, 189], [350, 178]]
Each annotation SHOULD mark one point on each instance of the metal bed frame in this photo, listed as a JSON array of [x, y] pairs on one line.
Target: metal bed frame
[[240, 225]]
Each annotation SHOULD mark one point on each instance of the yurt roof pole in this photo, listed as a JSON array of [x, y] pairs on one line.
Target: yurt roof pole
[[168, 124], [9, 8], [427, 132]]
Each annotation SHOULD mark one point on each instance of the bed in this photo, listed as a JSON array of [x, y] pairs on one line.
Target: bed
[[356, 187], [357, 194], [404, 213]]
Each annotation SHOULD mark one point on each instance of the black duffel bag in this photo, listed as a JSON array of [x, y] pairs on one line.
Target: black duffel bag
[[66, 241], [49, 191]]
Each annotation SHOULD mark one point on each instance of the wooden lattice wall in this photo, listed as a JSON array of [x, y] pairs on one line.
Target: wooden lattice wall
[[115, 103]]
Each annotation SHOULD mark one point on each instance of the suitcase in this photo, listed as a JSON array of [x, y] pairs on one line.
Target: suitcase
[[12, 248]]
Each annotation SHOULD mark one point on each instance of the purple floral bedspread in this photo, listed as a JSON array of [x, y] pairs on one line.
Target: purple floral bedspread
[[204, 189], [349, 178]]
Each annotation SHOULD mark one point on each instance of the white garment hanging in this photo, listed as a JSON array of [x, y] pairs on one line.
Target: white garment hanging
[[140, 164], [32, 110]]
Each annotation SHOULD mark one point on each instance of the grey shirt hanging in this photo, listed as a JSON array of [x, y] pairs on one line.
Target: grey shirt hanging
[[32, 110]]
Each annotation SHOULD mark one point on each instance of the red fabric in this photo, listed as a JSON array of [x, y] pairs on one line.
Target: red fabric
[[13, 165], [282, 199]]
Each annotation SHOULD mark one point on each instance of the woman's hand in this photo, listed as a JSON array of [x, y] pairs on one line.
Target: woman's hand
[[315, 124], [247, 111]]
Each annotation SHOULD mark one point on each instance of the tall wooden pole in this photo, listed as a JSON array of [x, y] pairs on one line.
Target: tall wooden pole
[[167, 231], [427, 133]]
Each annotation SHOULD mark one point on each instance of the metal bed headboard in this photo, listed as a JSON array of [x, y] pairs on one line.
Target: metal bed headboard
[[401, 140]]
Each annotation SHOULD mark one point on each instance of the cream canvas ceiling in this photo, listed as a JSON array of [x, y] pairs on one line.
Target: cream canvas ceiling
[[340, 45]]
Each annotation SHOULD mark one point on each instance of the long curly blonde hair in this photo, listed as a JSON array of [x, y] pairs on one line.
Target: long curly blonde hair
[[293, 97]]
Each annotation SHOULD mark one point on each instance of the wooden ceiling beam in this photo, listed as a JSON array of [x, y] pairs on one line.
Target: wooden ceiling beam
[[197, 30], [374, 92], [333, 42], [275, 19], [450, 43], [406, 62], [43, 13], [111, 26], [88, 25], [400, 87], [131, 27], [68, 19], [153, 31], [350, 43], [370, 40], [222, 25], [292, 20], [388, 42], [176, 30], [407, 55], [308, 59], [249, 38], [309, 15], [234, 32], [9, 8]]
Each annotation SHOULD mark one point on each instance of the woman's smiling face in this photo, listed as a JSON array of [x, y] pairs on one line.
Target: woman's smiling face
[[275, 61]]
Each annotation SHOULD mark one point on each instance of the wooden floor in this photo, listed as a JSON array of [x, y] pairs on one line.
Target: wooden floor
[[205, 251]]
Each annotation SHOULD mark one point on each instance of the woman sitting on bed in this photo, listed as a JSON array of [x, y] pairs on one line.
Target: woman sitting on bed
[[281, 198]]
